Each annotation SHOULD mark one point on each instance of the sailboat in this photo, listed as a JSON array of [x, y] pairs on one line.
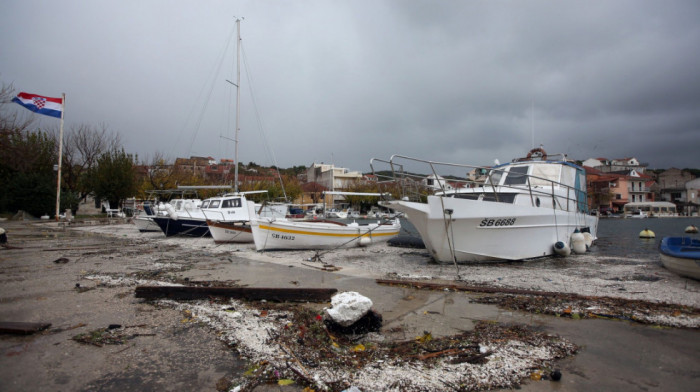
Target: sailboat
[[232, 223]]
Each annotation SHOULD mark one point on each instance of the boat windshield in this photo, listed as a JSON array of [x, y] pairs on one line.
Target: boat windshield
[[495, 177], [516, 176], [214, 204], [205, 204]]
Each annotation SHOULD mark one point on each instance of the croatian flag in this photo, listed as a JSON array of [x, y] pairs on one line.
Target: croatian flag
[[39, 104]]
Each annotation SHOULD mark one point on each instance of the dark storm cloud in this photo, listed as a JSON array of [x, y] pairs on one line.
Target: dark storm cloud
[[345, 81]]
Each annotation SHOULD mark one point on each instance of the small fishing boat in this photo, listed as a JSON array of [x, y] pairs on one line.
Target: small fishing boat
[[681, 255], [270, 234], [279, 234]]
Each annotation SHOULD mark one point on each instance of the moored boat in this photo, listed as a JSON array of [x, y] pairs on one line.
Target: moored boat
[[681, 255], [270, 234], [518, 210], [279, 233], [144, 219]]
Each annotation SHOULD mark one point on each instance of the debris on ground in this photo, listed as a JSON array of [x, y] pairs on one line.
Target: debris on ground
[[599, 307], [352, 313], [348, 307], [292, 342], [572, 305], [22, 328], [113, 334]]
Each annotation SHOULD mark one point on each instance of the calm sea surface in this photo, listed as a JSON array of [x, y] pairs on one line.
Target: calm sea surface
[[620, 237]]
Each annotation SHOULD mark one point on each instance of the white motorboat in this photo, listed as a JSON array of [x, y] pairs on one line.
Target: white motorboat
[[520, 212], [272, 233], [228, 217]]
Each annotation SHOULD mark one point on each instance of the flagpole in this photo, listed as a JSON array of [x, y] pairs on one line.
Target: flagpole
[[60, 158]]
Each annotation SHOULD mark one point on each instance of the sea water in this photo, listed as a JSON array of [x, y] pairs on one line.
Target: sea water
[[620, 236]]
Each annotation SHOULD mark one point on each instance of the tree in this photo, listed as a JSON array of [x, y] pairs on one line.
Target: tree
[[113, 178], [82, 147], [27, 179]]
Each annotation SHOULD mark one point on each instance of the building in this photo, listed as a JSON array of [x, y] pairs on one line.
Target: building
[[621, 165], [331, 177], [194, 165], [611, 191], [673, 188], [692, 190]]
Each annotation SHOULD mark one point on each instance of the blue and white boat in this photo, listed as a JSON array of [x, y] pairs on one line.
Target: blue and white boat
[[681, 255]]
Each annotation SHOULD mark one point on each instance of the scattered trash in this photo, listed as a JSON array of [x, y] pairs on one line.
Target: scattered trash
[[100, 337], [555, 375], [348, 307], [113, 334], [351, 313]]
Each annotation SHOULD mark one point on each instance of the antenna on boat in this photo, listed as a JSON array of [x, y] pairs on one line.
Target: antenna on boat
[[532, 124]]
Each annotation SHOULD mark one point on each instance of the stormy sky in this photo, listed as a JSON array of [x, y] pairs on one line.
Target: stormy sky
[[345, 81]]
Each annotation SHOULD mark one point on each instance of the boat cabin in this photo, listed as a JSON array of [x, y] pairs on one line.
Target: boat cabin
[[557, 184]]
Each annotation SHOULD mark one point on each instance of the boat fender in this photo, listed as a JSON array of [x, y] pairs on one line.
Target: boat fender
[[691, 229], [171, 211], [646, 233], [364, 241], [578, 242], [561, 249], [588, 237]]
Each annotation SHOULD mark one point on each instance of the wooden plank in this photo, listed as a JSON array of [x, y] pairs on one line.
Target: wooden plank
[[22, 328], [247, 293]]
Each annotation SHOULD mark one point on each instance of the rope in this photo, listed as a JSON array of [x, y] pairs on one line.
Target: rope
[[319, 253], [447, 234]]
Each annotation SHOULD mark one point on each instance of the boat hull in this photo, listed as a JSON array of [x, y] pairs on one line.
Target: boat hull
[[269, 234], [183, 227], [465, 231], [681, 255], [230, 232]]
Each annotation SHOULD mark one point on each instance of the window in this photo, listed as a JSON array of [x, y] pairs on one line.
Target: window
[[516, 176], [214, 204], [205, 204], [231, 203]]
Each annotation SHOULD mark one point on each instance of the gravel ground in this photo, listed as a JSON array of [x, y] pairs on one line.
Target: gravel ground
[[260, 335]]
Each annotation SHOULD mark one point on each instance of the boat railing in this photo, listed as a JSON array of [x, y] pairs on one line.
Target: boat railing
[[213, 215], [417, 187]]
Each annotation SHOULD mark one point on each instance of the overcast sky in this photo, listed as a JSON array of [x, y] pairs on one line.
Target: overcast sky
[[345, 81]]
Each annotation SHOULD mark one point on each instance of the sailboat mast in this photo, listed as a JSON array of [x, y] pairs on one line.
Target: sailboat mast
[[238, 101]]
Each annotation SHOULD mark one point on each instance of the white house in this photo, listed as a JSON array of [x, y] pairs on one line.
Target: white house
[[436, 182], [331, 177]]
